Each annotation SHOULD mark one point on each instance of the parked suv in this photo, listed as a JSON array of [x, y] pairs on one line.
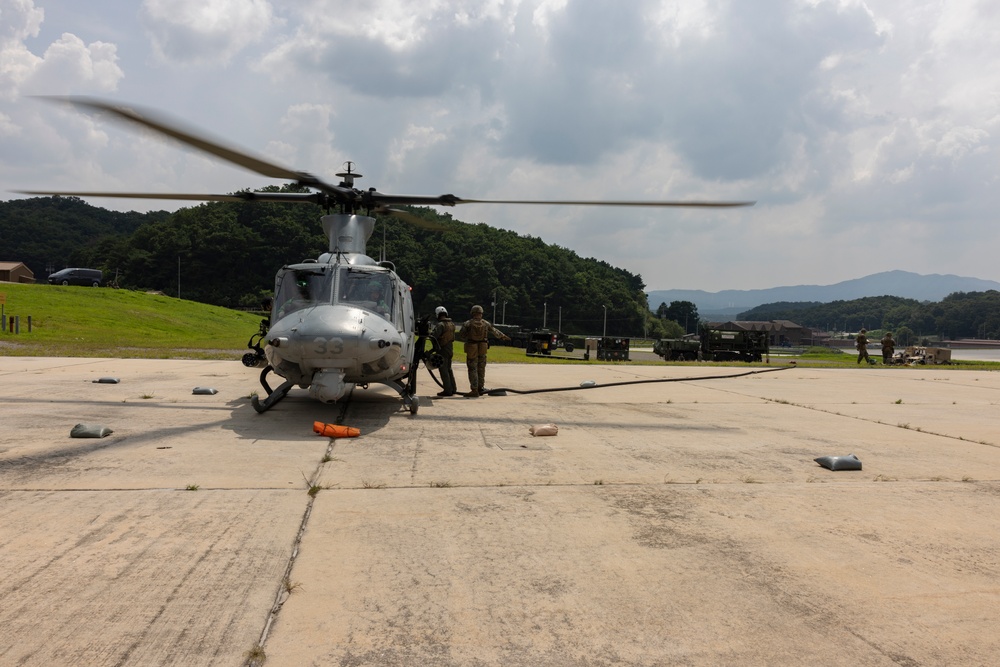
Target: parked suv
[[91, 277]]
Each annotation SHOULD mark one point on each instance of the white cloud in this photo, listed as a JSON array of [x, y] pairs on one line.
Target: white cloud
[[416, 138], [204, 31], [70, 65], [19, 19], [846, 119], [307, 126], [7, 127]]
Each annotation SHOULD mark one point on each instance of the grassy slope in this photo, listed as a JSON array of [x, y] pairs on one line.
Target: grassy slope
[[102, 322]]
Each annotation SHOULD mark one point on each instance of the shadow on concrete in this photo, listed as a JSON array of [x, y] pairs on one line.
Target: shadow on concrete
[[367, 410]]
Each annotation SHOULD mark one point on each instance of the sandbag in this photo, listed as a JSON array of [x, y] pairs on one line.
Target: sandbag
[[210, 391], [543, 429], [90, 431], [849, 462]]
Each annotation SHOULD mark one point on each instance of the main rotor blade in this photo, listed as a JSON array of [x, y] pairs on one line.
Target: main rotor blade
[[133, 195], [697, 204], [171, 129], [408, 217], [284, 197], [452, 200]]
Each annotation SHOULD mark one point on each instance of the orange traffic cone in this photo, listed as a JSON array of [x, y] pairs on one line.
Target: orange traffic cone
[[335, 430]]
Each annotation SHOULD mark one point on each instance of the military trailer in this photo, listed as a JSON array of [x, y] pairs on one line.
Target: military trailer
[[518, 336], [678, 349], [544, 341], [612, 349], [719, 345], [715, 345]]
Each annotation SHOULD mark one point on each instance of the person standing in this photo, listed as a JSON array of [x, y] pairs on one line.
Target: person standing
[[861, 342], [444, 334], [888, 347], [475, 333]]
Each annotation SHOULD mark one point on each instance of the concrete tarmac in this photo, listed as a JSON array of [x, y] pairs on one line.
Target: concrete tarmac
[[668, 523]]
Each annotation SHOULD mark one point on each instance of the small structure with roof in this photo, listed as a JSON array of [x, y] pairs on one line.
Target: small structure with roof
[[16, 272]]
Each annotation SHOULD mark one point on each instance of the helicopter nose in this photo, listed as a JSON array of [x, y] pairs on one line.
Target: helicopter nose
[[331, 332]]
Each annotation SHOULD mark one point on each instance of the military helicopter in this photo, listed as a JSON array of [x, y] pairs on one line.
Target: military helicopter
[[343, 319]]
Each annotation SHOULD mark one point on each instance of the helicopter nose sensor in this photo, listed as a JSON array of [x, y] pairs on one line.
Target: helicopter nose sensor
[[328, 385]]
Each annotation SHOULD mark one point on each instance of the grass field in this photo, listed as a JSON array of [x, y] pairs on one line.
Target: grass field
[[103, 322]]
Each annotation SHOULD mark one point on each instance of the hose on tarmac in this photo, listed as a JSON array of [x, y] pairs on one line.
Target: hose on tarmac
[[503, 391]]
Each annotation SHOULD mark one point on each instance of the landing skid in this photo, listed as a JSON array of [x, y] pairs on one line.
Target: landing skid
[[273, 395], [410, 401]]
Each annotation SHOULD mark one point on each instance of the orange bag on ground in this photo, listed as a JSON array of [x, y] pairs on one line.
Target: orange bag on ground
[[335, 430]]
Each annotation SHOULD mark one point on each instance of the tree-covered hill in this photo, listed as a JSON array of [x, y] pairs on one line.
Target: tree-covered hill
[[51, 233], [870, 312], [226, 253], [959, 315]]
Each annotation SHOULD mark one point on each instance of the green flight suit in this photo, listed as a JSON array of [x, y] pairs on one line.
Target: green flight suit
[[475, 334]]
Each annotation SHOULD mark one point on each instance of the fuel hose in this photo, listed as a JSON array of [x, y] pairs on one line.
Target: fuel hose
[[503, 391]]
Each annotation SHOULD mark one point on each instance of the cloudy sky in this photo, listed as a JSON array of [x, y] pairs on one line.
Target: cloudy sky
[[867, 132]]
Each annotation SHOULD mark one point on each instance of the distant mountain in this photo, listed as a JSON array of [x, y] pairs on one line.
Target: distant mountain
[[728, 304]]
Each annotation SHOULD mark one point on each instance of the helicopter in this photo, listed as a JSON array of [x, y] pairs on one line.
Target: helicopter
[[343, 319]]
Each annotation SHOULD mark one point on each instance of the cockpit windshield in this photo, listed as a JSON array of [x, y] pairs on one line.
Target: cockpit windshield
[[366, 289], [302, 288], [372, 290]]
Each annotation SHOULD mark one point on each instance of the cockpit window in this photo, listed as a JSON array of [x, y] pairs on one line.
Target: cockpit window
[[301, 288], [366, 289]]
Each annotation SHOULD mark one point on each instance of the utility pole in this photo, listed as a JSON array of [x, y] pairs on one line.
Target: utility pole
[[605, 334]]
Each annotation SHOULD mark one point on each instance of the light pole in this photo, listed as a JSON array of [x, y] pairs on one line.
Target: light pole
[[560, 319], [504, 311], [605, 334], [545, 313], [495, 303]]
